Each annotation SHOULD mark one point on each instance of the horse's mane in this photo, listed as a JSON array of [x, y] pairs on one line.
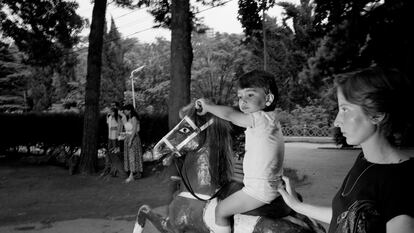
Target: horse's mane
[[221, 153], [218, 139]]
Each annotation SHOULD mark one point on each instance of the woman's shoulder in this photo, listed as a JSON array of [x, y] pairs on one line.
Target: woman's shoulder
[[396, 176]]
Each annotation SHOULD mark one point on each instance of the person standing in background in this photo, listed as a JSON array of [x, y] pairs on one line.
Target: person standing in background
[[114, 123], [132, 144]]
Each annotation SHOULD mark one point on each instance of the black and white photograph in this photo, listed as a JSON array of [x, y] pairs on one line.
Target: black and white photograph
[[206, 116]]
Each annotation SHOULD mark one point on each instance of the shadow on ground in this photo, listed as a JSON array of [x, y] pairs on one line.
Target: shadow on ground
[[46, 194]]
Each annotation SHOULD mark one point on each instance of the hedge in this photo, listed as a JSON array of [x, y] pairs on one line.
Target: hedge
[[52, 129]]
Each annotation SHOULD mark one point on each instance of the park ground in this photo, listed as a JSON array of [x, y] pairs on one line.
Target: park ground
[[43, 199]]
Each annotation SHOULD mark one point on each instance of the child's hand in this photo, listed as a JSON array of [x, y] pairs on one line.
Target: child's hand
[[201, 106]]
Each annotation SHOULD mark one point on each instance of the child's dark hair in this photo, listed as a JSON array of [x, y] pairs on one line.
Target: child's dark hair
[[260, 79]]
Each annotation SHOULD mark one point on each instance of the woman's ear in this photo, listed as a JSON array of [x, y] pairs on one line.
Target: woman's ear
[[376, 119], [269, 99]]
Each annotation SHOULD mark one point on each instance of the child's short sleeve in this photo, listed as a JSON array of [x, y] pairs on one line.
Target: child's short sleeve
[[262, 119]]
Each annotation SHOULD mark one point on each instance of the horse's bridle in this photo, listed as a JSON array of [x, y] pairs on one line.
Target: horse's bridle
[[197, 130], [176, 150]]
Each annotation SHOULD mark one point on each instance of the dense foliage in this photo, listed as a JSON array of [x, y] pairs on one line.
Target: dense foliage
[[13, 80], [358, 34], [44, 30], [39, 37]]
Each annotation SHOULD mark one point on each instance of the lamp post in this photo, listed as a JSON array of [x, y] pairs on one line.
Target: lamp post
[[133, 73]]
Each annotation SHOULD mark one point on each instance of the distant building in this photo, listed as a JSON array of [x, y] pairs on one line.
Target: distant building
[[210, 33]]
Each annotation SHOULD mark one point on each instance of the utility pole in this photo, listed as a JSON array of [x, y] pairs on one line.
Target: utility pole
[[133, 74], [264, 38]]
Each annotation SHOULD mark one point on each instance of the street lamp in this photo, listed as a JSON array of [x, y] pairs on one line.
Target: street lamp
[[134, 73]]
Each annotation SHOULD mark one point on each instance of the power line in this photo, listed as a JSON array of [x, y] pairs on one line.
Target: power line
[[133, 23], [134, 33], [90, 9], [198, 12], [130, 12], [147, 29], [152, 27], [209, 8]]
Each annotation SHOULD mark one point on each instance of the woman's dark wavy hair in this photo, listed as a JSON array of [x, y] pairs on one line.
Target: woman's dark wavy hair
[[131, 108], [260, 79], [115, 111], [382, 91]]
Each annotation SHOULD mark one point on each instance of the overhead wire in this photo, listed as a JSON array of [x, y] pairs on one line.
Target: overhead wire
[[137, 32], [198, 12], [153, 27]]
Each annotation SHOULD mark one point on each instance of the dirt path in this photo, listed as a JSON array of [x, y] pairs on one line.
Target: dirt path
[[324, 168]]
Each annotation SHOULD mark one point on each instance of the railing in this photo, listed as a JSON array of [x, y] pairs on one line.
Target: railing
[[291, 134], [307, 131]]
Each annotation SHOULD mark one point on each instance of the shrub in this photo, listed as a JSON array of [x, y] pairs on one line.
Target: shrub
[[53, 129], [310, 115]]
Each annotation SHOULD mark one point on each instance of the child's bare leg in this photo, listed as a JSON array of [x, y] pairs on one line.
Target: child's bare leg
[[238, 202]]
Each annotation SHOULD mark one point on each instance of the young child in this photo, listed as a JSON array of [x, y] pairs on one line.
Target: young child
[[264, 145]]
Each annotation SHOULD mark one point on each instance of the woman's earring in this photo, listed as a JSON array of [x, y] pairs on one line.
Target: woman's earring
[[267, 103]]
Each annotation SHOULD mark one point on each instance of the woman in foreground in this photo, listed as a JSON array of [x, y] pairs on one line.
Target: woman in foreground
[[374, 112]]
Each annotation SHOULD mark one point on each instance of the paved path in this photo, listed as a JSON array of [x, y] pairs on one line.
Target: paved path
[[324, 168]]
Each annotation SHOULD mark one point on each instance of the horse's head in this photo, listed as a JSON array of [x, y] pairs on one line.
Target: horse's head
[[195, 132], [187, 135]]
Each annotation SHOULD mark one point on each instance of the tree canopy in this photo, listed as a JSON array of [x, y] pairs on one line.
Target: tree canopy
[[358, 34], [44, 30]]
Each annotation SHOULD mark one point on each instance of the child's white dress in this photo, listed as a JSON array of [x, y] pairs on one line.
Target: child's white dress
[[263, 159]]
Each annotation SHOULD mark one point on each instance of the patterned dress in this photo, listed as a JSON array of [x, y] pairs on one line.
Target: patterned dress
[[133, 153]]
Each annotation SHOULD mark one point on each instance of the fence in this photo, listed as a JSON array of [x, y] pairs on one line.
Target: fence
[[307, 131]]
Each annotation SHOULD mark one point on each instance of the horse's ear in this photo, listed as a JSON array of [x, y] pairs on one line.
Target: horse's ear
[[185, 110]]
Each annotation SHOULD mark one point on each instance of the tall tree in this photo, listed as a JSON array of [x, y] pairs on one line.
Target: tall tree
[[181, 59], [45, 31], [251, 16], [358, 34], [153, 83], [113, 68], [218, 61], [13, 77], [253, 24], [178, 15], [89, 153], [288, 46]]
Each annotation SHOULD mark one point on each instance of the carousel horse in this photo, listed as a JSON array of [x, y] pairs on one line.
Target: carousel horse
[[203, 143]]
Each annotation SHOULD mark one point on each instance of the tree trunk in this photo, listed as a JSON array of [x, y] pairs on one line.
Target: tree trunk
[[181, 59], [89, 155]]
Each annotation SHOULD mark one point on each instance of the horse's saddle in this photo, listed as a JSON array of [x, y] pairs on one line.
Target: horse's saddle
[[262, 218], [276, 209]]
